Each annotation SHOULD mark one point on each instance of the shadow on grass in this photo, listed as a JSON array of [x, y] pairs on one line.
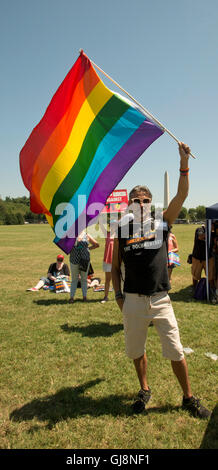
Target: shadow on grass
[[72, 403], [162, 410], [48, 302], [184, 295], [94, 330], [58, 301], [210, 438]]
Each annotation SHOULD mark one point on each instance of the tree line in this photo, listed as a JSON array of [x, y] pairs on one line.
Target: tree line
[[193, 214], [16, 211]]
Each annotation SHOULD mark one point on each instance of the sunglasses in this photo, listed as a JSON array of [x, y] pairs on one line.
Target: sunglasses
[[141, 201]]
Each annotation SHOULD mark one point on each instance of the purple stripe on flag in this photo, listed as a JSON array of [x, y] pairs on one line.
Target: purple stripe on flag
[[142, 138]]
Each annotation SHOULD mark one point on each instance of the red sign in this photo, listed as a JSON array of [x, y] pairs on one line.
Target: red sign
[[116, 202]]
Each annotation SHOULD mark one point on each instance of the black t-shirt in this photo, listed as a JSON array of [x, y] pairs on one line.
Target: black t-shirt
[[199, 249], [144, 253], [64, 271]]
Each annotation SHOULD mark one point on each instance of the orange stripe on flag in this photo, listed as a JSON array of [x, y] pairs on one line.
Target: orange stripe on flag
[[60, 135]]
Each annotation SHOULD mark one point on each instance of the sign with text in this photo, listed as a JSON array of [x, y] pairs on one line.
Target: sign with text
[[116, 202]]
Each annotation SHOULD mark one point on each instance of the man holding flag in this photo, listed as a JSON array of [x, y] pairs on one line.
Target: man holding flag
[[87, 140], [142, 245]]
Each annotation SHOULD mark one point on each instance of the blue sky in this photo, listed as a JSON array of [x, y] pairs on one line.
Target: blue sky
[[164, 53]]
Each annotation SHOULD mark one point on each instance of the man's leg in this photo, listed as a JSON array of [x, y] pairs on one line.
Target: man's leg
[[172, 348], [190, 403], [180, 370], [141, 369], [135, 329], [144, 394], [167, 328]]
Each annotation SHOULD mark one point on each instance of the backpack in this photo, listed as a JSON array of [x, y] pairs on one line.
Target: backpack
[[201, 290]]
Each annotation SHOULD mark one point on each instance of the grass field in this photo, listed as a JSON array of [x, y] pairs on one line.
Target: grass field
[[65, 380]]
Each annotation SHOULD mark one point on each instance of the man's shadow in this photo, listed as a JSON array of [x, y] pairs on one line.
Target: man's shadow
[[73, 403], [210, 439], [70, 402], [94, 330]]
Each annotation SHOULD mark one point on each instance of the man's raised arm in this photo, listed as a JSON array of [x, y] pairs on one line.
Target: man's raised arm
[[174, 208]]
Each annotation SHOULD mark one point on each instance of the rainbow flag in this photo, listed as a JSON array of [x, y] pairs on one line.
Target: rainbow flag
[[87, 140]]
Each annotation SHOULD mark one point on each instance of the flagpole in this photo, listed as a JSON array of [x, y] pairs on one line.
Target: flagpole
[[139, 104]]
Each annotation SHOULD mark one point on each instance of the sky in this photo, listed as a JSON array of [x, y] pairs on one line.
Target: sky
[[164, 53]]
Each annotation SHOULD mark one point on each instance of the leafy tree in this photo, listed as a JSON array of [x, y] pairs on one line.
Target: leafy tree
[[11, 219], [20, 218], [200, 212], [29, 217], [192, 214], [2, 212], [183, 213]]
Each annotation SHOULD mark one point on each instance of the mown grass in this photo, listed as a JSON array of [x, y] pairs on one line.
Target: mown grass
[[65, 379]]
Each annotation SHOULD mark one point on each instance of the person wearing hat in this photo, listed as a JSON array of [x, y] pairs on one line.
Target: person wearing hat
[[55, 270]]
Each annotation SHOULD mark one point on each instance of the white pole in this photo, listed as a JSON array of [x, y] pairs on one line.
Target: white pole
[[166, 190], [135, 101]]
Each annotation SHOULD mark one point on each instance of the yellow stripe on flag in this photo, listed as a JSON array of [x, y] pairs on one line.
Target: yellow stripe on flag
[[63, 164], [49, 219]]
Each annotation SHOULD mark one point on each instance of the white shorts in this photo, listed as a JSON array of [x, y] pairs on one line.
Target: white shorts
[[106, 267], [138, 311]]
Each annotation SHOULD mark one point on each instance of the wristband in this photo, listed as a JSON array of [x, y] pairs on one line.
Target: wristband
[[184, 172]]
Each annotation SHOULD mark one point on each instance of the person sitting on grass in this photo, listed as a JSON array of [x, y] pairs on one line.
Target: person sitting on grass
[[55, 271]]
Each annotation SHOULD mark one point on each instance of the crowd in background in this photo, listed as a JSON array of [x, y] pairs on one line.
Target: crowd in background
[[82, 273]]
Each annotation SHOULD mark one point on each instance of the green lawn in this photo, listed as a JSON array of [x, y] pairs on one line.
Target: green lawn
[[65, 380]]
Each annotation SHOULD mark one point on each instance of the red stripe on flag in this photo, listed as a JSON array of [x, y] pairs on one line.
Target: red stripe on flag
[[54, 113]]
